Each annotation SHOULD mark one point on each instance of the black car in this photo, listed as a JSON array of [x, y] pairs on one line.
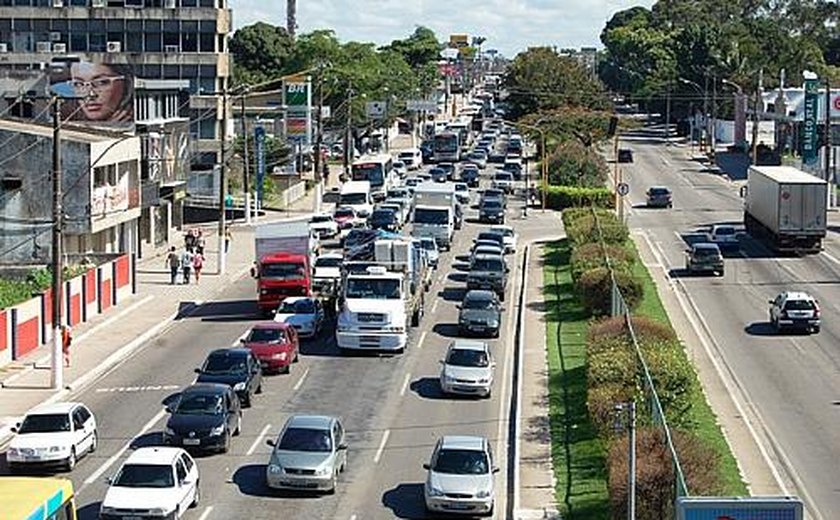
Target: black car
[[385, 219], [238, 368], [494, 193], [203, 416], [427, 151], [449, 168], [492, 236], [480, 313], [488, 272], [491, 210], [470, 175], [357, 237], [625, 155], [438, 174], [496, 156], [659, 197]]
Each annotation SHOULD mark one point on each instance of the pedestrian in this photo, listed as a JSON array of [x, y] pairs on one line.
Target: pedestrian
[[189, 241], [228, 239], [186, 265], [198, 264], [66, 340], [199, 242], [174, 263], [326, 172]]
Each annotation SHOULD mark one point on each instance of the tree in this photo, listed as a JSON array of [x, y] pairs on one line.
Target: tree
[[260, 52], [419, 49], [572, 164], [588, 127]]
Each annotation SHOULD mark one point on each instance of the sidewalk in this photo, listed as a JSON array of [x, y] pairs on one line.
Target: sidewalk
[[100, 344]]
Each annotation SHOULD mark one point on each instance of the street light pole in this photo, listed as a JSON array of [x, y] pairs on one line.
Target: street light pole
[[348, 132], [57, 368], [319, 139], [222, 187], [246, 173], [755, 117]]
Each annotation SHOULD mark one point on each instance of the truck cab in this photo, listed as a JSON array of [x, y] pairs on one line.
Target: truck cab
[[280, 275]]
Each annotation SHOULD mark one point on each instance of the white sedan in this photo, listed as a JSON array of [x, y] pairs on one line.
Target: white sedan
[[508, 237], [324, 225], [725, 236], [53, 435], [303, 313]]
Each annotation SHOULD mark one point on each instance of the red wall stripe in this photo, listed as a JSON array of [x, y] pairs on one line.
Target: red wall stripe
[[106, 294], [4, 324], [122, 271], [75, 309], [90, 280], [27, 337]]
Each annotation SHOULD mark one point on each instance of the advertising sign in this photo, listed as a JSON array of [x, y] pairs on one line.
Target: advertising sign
[[457, 41], [739, 508], [809, 125], [419, 105], [376, 109], [297, 98], [296, 129], [259, 151], [297, 95], [96, 93]]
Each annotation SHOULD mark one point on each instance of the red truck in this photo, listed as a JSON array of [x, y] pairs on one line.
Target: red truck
[[285, 252]]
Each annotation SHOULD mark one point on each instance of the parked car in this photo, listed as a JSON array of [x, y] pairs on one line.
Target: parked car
[[508, 237], [433, 253], [304, 313], [275, 345], [467, 369], [238, 368], [460, 477], [659, 197], [704, 257], [324, 225], [153, 482], [309, 454], [725, 236], [480, 313], [795, 310], [203, 416], [52, 435]]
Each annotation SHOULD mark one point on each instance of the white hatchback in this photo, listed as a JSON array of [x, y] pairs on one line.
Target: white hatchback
[[154, 482], [53, 435]]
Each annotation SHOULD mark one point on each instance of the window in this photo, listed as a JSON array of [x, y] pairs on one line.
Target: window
[[207, 42], [187, 461], [207, 84], [180, 471], [96, 42], [84, 413], [154, 42], [134, 41], [207, 128], [78, 25], [79, 42], [189, 42]]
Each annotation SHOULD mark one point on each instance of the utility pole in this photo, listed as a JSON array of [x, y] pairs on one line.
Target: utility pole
[[756, 105], [222, 182], [319, 139], [668, 114], [705, 137], [246, 173], [348, 132], [712, 138], [631, 465], [57, 368]]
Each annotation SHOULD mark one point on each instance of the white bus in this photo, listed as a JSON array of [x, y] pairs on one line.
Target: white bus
[[377, 169]]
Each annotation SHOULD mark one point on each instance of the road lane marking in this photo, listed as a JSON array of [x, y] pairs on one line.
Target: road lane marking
[[831, 257], [259, 438], [352, 517], [381, 448], [206, 513], [300, 381], [144, 388], [116, 456], [434, 306], [405, 384], [422, 337]]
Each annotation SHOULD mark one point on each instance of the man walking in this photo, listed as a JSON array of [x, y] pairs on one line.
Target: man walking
[[174, 262], [187, 265]]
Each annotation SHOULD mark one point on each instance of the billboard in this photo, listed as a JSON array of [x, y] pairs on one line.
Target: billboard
[[167, 153], [459, 41], [739, 508], [809, 127], [96, 93]]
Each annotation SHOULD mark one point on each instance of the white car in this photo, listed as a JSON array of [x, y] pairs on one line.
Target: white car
[[53, 435], [401, 169], [154, 482], [503, 181], [304, 313], [725, 236], [508, 237], [467, 368], [324, 225], [460, 478], [412, 157], [327, 271], [462, 192]]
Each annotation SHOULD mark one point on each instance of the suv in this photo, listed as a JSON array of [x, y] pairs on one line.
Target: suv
[[795, 310], [470, 175], [449, 169], [488, 272], [659, 197], [480, 313], [704, 257]]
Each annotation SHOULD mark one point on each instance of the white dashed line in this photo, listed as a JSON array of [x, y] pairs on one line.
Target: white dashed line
[[259, 439], [420, 341], [434, 306], [300, 381], [405, 384], [206, 513], [381, 448]]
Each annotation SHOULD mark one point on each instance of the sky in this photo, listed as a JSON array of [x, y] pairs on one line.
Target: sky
[[510, 26]]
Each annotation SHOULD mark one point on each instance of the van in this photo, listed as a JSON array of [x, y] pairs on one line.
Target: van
[[412, 157], [514, 166], [356, 194]]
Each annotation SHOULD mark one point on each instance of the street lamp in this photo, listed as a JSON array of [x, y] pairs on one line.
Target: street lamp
[[543, 163], [702, 91]]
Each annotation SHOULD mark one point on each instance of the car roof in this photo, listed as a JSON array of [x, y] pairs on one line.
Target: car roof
[[463, 442], [705, 245], [488, 257], [479, 294], [336, 256], [496, 228], [53, 408], [230, 351], [154, 455], [469, 344], [313, 422], [271, 325], [797, 295], [293, 299], [205, 388], [658, 187]]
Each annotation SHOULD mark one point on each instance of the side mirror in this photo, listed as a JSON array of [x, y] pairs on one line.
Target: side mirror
[[242, 341], [270, 442], [197, 370], [458, 306], [342, 446], [168, 409], [495, 469], [426, 466], [14, 429], [770, 302], [109, 480], [440, 361]]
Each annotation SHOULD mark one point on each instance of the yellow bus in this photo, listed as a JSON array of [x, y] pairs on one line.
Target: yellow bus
[[33, 498]]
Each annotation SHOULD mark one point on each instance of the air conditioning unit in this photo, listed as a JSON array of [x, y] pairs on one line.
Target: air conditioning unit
[[60, 48], [98, 3], [58, 3], [4, 47], [43, 47], [172, 48], [55, 36], [171, 4], [114, 47]]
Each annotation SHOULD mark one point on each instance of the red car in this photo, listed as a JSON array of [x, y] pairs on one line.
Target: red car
[[275, 345], [344, 216]]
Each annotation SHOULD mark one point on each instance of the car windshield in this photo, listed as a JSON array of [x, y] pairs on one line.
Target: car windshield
[[431, 216], [199, 404], [504, 176], [467, 357], [297, 307], [487, 264], [493, 194], [478, 303], [217, 364], [428, 244], [353, 198], [720, 231], [492, 237], [45, 423], [344, 213], [406, 156], [412, 182], [461, 187], [321, 218], [385, 215], [306, 439], [491, 204], [284, 271], [799, 305], [378, 289], [437, 171], [145, 476], [266, 336], [659, 191], [328, 261], [706, 252], [396, 194], [461, 462]]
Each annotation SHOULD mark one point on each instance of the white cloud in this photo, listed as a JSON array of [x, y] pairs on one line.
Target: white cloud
[[509, 25]]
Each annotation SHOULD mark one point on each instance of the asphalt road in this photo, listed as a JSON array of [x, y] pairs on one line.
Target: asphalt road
[[791, 380], [391, 407]]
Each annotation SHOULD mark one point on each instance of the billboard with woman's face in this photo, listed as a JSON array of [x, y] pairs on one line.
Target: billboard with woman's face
[[100, 93]]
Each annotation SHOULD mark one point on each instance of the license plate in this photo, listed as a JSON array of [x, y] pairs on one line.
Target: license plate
[[192, 442], [459, 506], [132, 518], [264, 364], [478, 329]]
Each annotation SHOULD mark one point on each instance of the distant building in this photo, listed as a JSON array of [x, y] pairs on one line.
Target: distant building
[[586, 56]]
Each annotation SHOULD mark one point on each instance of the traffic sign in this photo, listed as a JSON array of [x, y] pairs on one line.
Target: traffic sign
[[375, 109], [623, 188], [418, 105]]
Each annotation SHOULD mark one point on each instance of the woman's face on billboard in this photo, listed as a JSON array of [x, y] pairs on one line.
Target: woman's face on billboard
[[104, 87]]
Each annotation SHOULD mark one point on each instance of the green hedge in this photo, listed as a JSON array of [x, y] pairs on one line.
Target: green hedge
[[562, 197], [595, 288], [590, 256]]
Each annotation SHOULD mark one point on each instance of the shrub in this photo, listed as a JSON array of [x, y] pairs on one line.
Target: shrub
[[601, 402], [589, 256], [572, 164], [647, 330], [674, 380], [612, 366], [562, 197], [572, 214], [595, 288], [583, 230], [655, 476]]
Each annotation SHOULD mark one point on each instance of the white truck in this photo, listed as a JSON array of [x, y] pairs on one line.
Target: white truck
[[380, 299], [436, 212], [787, 207]]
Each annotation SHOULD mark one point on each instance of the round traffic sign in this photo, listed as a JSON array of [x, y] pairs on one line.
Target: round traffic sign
[[623, 188]]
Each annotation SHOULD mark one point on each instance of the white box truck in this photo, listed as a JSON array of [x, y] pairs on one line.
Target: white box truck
[[435, 212], [787, 207]]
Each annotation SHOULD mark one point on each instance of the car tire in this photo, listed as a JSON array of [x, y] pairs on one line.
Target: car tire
[[71, 460], [94, 442], [226, 445], [238, 426], [196, 496], [815, 330]]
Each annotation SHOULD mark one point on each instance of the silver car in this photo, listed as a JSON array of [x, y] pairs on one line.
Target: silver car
[[467, 368], [309, 454], [460, 478]]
